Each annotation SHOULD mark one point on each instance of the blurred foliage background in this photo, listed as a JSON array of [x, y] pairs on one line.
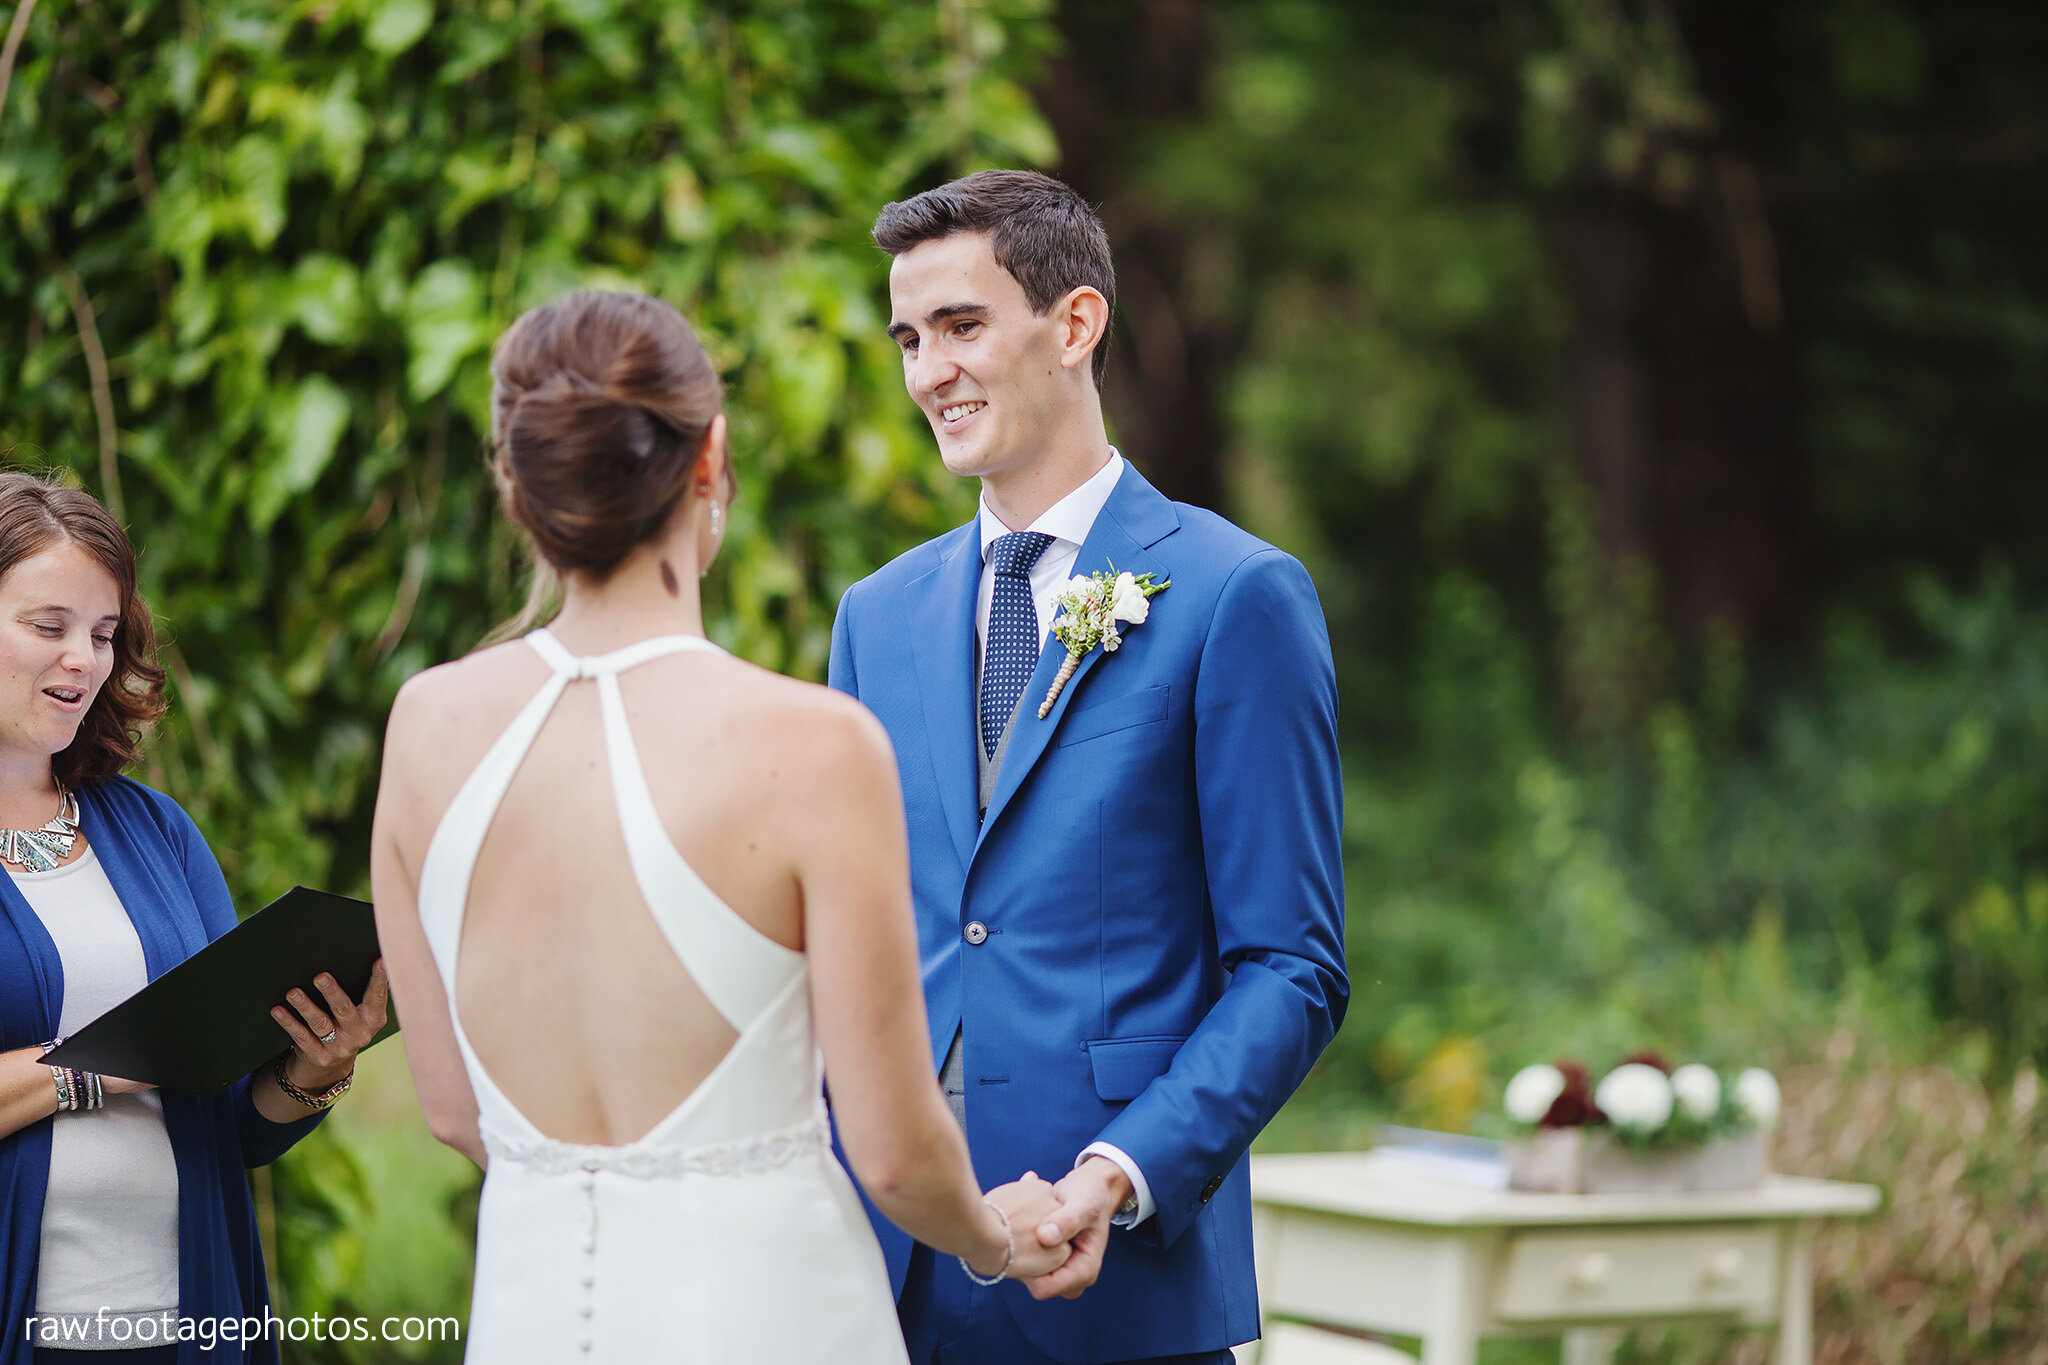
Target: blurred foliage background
[[1653, 388]]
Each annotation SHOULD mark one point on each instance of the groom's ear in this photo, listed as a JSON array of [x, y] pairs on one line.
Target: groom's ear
[[1083, 317]]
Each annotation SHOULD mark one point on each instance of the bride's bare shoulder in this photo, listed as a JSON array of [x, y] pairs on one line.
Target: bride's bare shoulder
[[442, 706], [822, 734]]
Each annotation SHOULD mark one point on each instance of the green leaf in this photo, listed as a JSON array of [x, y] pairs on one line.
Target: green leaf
[[302, 442], [326, 298], [683, 210], [444, 323], [397, 24], [806, 374]]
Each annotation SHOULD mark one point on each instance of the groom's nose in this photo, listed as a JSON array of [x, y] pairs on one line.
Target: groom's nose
[[931, 372]]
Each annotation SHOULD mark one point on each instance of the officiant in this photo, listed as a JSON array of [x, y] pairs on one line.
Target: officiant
[[125, 1208]]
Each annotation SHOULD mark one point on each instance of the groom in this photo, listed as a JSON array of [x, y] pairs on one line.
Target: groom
[[1129, 902]]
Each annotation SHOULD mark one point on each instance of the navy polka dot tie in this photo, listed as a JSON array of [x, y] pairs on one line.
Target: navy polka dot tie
[[1013, 638]]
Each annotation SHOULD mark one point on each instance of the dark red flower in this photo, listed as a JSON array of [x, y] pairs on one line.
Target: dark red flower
[[1574, 1107]]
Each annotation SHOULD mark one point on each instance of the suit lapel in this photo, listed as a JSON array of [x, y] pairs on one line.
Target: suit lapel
[[941, 614], [1135, 517]]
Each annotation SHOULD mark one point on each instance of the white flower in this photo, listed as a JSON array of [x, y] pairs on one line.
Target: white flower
[[1532, 1091], [1127, 601], [1757, 1098], [1698, 1090], [1635, 1096]]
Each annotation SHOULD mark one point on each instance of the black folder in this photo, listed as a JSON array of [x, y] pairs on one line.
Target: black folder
[[205, 1023]]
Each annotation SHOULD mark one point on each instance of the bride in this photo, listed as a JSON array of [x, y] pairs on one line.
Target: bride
[[634, 894]]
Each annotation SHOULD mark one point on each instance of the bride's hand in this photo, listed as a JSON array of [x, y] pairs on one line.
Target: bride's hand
[[1027, 1200]]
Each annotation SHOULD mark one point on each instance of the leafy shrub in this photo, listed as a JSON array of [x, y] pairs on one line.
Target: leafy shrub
[[1883, 836]]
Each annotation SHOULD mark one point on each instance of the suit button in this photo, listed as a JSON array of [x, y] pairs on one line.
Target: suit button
[[976, 932], [1209, 1190]]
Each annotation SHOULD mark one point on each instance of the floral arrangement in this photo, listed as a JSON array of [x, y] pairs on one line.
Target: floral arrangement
[[1644, 1101], [1091, 608]]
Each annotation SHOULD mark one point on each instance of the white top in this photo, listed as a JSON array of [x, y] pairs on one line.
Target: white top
[[1068, 522], [110, 1220], [727, 1234]]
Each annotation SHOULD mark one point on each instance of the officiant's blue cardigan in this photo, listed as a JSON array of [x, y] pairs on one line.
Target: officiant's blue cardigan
[[1142, 942], [173, 891]]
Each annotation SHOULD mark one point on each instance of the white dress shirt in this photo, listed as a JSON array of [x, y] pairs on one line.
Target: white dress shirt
[[1068, 522]]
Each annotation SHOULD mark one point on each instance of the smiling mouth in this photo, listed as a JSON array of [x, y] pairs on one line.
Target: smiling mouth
[[955, 412], [70, 696]]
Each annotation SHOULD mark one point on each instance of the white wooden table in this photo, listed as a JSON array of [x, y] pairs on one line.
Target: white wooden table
[[1355, 1239]]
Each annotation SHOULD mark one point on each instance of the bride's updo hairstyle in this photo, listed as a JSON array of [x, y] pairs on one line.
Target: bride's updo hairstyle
[[599, 407]]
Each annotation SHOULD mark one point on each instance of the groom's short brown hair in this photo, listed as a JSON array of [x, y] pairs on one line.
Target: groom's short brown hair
[[1042, 232]]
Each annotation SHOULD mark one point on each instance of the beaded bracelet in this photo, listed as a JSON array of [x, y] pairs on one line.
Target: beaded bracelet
[[318, 1099], [1009, 1251], [76, 1089], [59, 1076]]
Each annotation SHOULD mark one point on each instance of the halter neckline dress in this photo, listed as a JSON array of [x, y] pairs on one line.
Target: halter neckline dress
[[728, 1234]]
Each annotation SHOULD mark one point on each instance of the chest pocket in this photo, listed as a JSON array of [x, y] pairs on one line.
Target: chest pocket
[[1143, 707]]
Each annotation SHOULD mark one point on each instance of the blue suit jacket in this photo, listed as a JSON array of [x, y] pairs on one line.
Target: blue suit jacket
[[1160, 876]]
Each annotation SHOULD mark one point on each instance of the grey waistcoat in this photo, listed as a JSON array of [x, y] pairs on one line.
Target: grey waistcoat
[[987, 767]]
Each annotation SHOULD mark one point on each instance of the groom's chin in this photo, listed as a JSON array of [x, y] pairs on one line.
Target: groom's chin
[[963, 460]]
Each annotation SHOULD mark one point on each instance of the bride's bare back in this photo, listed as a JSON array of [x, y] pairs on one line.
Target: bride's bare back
[[576, 1004]]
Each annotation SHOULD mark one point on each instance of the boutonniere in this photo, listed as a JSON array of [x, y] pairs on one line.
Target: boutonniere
[[1091, 608]]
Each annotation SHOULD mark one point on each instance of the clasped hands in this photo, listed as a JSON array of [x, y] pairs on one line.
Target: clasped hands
[[1059, 1230]]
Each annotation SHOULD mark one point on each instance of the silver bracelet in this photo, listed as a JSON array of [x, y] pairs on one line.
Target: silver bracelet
[[1009, 1251]]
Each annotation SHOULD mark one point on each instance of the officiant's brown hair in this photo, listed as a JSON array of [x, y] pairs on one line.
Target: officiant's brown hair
[[1042, 233], [36, 514]]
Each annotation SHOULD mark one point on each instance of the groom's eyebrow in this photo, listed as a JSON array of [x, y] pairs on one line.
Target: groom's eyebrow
[[945, 311]]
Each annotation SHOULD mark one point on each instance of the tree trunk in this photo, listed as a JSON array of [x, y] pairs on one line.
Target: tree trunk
[[1124, 67]]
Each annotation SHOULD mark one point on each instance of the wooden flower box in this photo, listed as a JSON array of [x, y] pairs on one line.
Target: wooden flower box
[[1591, 1161]]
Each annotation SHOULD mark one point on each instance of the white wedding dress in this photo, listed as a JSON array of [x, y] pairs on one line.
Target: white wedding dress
[[728, 1234]]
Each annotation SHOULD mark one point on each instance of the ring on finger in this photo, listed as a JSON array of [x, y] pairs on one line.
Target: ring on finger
[[330, 1035]]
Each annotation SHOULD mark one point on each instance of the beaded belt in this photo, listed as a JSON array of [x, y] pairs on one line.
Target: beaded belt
[[750, 1156]]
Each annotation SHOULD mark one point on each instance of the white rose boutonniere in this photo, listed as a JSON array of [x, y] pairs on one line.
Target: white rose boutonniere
[[1092, 607]]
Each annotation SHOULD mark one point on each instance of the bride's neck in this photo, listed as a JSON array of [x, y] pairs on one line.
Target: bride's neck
[[653, 592]]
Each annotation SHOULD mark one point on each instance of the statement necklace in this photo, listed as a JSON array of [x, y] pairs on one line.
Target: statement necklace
[[41, 850]]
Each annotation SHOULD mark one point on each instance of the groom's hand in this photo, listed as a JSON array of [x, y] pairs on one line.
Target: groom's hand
[[1089, 1195]]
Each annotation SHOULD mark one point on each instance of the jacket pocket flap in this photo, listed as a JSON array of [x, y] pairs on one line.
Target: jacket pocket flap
[[1125, 1066], [1118, 713]]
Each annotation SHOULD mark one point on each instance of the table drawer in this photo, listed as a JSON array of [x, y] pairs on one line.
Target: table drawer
[[1665, 1272]]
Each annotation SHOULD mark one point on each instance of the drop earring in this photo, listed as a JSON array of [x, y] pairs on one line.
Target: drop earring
[[717, 533]]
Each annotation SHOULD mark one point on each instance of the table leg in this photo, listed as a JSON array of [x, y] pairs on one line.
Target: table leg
[[1795, 1299], [1452, 1337], [1590, 1345], [1451, 1344]]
